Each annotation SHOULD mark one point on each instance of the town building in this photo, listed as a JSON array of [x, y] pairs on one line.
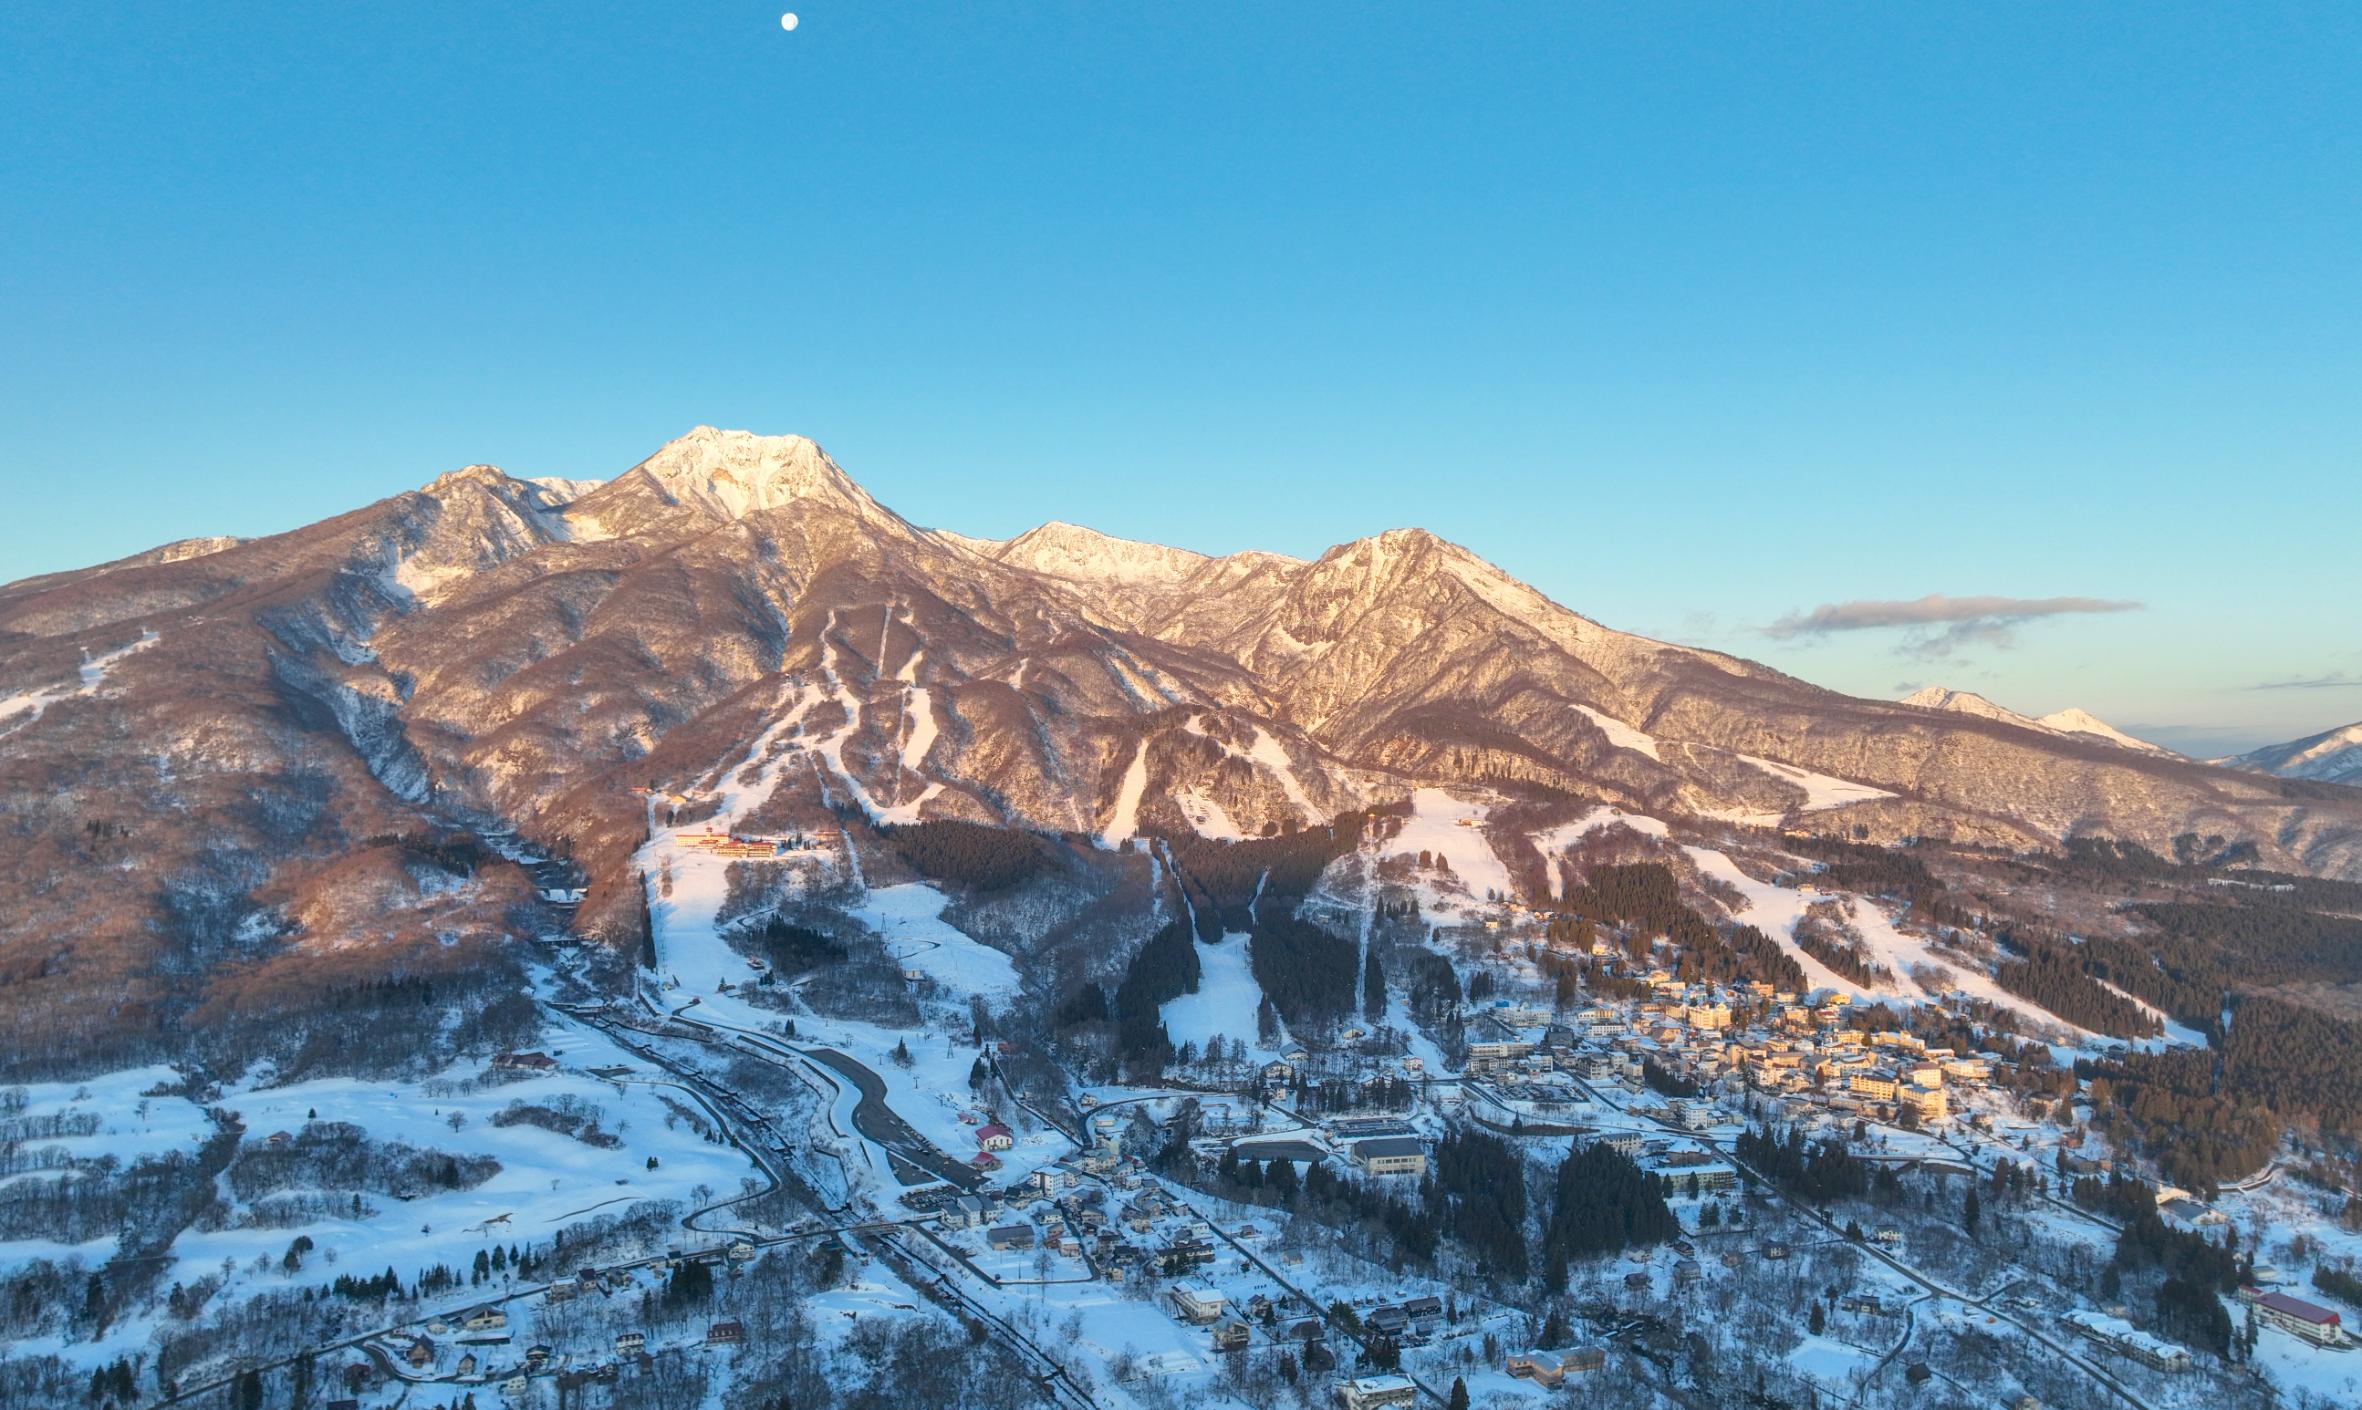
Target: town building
[[1377, 1392], [1390, 1155], [2124, 1338], [2295, 1316], [1196, 1302]]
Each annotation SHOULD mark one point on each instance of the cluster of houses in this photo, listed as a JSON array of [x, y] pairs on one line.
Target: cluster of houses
[[1721, 1039]]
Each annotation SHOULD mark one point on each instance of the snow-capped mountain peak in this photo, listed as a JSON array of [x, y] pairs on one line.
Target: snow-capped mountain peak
[[2075, 721], [2071, 721], [2333, 756], [1064, 550], [736, 473], [1966, 702]]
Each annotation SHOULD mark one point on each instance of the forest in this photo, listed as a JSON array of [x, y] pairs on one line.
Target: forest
[[1222, 877], [1310, 975], [1163, 970], [1601, 1202], [967, 854]]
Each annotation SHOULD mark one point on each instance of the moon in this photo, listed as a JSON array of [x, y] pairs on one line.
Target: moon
[[788, 20]]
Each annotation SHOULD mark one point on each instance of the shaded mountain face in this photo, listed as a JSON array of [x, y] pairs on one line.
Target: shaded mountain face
[[2332, 756], [195, 742]]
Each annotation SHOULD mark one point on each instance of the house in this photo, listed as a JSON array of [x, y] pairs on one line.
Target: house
[[1196, 1302], [1304, 1330], [741, 1251], [466, 1366], [1390, 1155], [630, 1343], [966, 1212], [513, 1387], [725, 1333], [277, 1139], [1540, 1367], [524, 1062], [1231, 1334], [1009, 1236], [1377, 1392], [1583, 1359], [483, 1318], [993, 1136], [535, 1356], [420, 1353], [1424, 1312]]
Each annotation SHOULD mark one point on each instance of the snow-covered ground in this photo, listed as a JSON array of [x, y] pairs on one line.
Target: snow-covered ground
[[1206, 816], [545, 1179], [1269, 753], [23, 707], [1775, 911], [1225, 1002], [1820, 790], [1125, 824], [1622, 735], [910, 919], [1436, 826], [1552, 842]]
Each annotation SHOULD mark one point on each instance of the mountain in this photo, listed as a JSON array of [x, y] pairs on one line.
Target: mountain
[[268, 737], [2073, 721], [2332, 756], [2069, 721]]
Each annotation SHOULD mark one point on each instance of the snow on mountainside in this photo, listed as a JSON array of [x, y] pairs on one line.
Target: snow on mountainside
[[2333, 756], [1086, 555], [476, 650]]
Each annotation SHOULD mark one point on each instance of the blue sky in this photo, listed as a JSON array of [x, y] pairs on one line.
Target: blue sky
[[1698, 317]]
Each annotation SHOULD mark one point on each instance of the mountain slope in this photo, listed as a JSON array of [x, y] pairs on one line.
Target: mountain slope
[[2332, 756], [488, 654]]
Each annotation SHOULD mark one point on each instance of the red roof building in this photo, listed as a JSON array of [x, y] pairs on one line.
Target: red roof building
[[993, 1136]]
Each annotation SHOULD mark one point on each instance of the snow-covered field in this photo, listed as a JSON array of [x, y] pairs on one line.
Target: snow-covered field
[[910, 919], [1225, 1002], [1435, 826], [545, 1179]]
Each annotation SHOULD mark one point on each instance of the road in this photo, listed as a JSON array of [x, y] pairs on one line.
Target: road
[[875, 1119]]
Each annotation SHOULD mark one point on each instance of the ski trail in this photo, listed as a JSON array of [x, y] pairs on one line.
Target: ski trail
[[24, 707], [1272, 755], [1126, 822]]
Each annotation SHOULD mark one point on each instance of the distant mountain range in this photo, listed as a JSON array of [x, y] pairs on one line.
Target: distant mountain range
[[2068, 722], [520, 654], [2332, 756]]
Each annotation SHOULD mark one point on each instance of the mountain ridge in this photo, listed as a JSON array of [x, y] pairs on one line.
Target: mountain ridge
[[486, 651]]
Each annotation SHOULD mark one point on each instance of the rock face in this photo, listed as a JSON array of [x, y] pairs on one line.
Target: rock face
[[494, 652]]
